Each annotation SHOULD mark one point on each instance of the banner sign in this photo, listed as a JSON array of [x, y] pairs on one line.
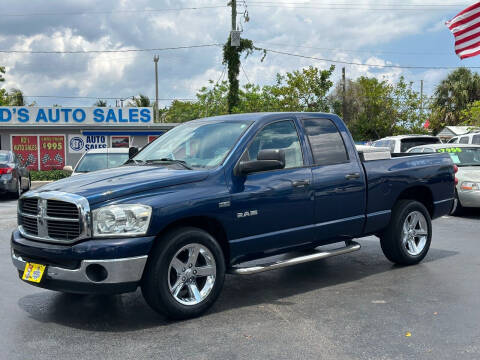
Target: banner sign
[[52, 152], [152, 138], [83, 143], [100, 116], [120, 141], [26, 148]]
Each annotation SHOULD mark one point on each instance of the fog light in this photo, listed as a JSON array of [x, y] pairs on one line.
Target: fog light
[[96, 272]]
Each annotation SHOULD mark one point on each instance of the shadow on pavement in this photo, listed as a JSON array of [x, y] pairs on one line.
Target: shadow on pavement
[[129, 312]]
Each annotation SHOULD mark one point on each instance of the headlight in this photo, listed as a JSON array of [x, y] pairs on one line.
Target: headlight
[[121, 220], [469, 186]]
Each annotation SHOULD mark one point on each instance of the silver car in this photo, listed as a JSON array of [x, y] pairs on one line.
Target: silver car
[[467, 158]]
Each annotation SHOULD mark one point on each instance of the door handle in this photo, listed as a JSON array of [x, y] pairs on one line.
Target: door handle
[[301, 183], [352, 176]]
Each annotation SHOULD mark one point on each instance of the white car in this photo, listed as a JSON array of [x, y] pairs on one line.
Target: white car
[[472, 138], [99, 159], [401, 143]]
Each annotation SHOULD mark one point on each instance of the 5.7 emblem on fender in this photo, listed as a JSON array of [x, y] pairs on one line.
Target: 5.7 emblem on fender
[[247, 214]]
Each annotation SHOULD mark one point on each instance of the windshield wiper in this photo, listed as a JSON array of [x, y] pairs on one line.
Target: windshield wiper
[[168, 160]]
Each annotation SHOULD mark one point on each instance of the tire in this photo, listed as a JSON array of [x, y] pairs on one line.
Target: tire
[[457, 206], [168, 266], [407, 239], [18, 193]]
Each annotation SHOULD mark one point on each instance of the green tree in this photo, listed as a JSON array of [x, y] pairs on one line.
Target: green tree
[[140, 101], [471, 115], [452, 96]]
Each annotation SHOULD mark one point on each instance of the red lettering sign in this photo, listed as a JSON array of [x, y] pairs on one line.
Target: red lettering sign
[[26, 148]]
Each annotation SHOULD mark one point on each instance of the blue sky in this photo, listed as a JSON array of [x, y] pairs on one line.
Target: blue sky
[[372, 32]]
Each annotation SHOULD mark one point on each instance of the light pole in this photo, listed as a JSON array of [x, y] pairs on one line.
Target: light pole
[[155, 60]]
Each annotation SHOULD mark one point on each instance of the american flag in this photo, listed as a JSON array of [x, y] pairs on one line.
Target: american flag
[[465, 27]]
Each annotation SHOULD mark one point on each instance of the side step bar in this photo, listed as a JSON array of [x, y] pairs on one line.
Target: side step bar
[[316, 255]]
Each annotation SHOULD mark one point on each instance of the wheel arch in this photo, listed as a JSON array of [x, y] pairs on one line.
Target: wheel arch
[[418, 193], [206, 223]]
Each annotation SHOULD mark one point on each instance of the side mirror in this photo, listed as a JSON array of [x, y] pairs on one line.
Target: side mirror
[[68, 168], [132, 151], [266, 160]]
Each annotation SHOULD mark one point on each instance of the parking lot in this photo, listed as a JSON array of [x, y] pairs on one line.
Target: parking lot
[[356, 306]]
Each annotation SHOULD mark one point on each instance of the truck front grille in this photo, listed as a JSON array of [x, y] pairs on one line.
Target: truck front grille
[[54, 217]]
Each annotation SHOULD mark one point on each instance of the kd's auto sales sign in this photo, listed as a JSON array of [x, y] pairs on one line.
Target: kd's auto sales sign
[[82, 143]]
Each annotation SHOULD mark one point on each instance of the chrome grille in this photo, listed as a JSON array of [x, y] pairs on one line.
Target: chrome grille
[[29, 206], [54, 216], [62, 209]]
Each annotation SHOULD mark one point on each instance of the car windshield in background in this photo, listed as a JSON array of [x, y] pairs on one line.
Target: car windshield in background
[[409, 143], [100, 161], [4, 157], [199, 144], [462, 156]]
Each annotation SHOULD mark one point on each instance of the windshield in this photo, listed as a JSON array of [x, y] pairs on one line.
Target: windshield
[[463, 156], [94, 162], [199, 144], [4, 157]]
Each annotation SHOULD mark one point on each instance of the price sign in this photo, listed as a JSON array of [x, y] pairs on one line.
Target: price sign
[[52, 152]]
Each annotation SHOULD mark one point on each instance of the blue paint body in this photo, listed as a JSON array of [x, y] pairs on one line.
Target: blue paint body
[[330, 209]]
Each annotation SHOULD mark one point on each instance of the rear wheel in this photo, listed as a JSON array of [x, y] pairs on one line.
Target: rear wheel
[[407, 238], [184, 274]]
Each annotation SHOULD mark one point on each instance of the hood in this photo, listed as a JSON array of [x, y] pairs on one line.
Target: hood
[[468, 173], [108, 184]]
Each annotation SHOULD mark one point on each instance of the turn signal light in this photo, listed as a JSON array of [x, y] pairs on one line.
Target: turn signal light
[[5, 170]]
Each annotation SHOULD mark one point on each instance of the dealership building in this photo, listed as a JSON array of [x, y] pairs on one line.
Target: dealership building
[[48, 138]]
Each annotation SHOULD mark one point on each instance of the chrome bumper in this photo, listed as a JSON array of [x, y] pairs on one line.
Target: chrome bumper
[[118, 270]]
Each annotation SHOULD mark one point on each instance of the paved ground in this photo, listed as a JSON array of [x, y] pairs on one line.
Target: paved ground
[[357, 306]]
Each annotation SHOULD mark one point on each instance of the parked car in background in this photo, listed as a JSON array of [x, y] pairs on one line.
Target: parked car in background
[[99, 159], [472, 138], [14, 176], [401, 143], [467, 158]]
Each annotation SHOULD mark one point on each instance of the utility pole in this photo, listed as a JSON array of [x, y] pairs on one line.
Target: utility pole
[[234, 15], [344, 92], [155, 60], [421, 98]]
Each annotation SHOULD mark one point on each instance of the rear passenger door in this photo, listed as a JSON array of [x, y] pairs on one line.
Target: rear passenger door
[[338, 182]]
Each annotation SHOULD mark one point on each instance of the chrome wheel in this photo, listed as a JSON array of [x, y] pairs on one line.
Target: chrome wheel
[[415, 233], [191, 274]]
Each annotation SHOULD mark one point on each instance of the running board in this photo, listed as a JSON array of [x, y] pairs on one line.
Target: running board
[[316, 255]]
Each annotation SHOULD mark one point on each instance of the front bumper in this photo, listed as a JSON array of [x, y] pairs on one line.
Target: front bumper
[[94, 266], [469, 198]]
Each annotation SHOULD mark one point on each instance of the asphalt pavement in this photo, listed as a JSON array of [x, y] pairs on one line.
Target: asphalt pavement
[[355, 306]]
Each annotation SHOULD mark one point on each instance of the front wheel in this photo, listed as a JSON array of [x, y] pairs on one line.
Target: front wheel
[[184, 273], [407, 238]]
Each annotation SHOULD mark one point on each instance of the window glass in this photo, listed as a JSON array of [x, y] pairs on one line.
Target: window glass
[[94, 162], [278, 135], [476, 139], [416, 150], [453, 140], [408, 143], [428, 150], [464, 140], [326, 142], [4, 157]]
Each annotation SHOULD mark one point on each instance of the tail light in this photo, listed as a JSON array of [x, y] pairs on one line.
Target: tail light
[[5, 170], [455, 170]]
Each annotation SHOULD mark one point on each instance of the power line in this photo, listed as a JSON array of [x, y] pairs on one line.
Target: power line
[[319, 7], [245, 73], [370, 65], [104, 51], [390, 4], [99, 97], [114, 11]]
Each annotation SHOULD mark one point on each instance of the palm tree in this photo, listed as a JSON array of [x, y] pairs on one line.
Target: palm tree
[[15, 97], [100, 103], [141, 101]]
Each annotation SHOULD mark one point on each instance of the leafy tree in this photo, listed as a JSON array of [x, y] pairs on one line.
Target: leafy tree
[[471, 115], [452, 96], [100, 103], [141, 101]]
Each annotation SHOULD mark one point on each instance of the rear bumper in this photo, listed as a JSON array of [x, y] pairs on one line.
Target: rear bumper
[[7, 184], [469, 198], [95, 266]]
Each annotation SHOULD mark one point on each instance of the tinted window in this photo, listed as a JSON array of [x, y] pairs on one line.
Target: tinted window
[[94, 162], [408, 143], [464, 140], [416, 150], [326, 142], [476, 139], [4, 157], [278, 135], [452, 140]]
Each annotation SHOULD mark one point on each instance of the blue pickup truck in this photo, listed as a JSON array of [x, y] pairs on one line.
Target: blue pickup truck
[[213, 194]]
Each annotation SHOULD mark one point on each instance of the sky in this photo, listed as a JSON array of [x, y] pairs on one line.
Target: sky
[[384, 32]]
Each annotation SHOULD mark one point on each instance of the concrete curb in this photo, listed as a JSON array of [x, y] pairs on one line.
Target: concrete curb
[[37, 184]]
